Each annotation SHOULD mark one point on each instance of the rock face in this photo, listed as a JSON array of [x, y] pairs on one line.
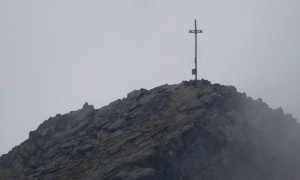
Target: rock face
[[193, 130]]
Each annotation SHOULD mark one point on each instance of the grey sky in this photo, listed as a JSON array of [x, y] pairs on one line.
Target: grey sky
[[57, 54]]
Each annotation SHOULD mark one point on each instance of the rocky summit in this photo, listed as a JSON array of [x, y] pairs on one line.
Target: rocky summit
[[193, 130]]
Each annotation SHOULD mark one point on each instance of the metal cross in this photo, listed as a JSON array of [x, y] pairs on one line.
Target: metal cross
[[195, 31]]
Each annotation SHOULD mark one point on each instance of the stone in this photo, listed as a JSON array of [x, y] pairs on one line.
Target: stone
[[117, 125], [143, 173], [86, 105], [192, 130], [136, 94]]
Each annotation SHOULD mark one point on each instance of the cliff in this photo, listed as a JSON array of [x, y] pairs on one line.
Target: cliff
[[193, 130]]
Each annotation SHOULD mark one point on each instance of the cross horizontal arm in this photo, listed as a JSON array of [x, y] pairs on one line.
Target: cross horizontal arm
[[195, 31]]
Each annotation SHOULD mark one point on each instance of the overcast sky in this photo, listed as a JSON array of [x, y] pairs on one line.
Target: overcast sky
[[57, 54]]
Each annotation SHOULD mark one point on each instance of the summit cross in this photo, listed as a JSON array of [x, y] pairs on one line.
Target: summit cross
[[195, 31]]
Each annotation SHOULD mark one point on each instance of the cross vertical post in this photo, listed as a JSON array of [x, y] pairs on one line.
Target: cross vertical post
[[195, 31]]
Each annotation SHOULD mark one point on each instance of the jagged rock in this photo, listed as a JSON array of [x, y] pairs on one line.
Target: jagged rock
[[116, 125], [85, 105], [193, 130], [136, 94]]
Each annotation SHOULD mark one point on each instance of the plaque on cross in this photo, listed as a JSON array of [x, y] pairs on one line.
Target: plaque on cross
[[195, 31]]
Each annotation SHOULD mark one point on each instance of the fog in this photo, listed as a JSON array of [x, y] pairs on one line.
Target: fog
[[57, 55]]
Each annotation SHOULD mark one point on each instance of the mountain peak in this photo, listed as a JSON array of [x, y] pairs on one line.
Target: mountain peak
[[191, 130]]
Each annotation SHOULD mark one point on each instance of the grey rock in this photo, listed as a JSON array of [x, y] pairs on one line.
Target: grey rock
[[136, 94], [192, 130], [116, 125]]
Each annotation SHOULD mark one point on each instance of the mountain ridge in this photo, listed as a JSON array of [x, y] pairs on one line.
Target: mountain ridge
[[193, 130]]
